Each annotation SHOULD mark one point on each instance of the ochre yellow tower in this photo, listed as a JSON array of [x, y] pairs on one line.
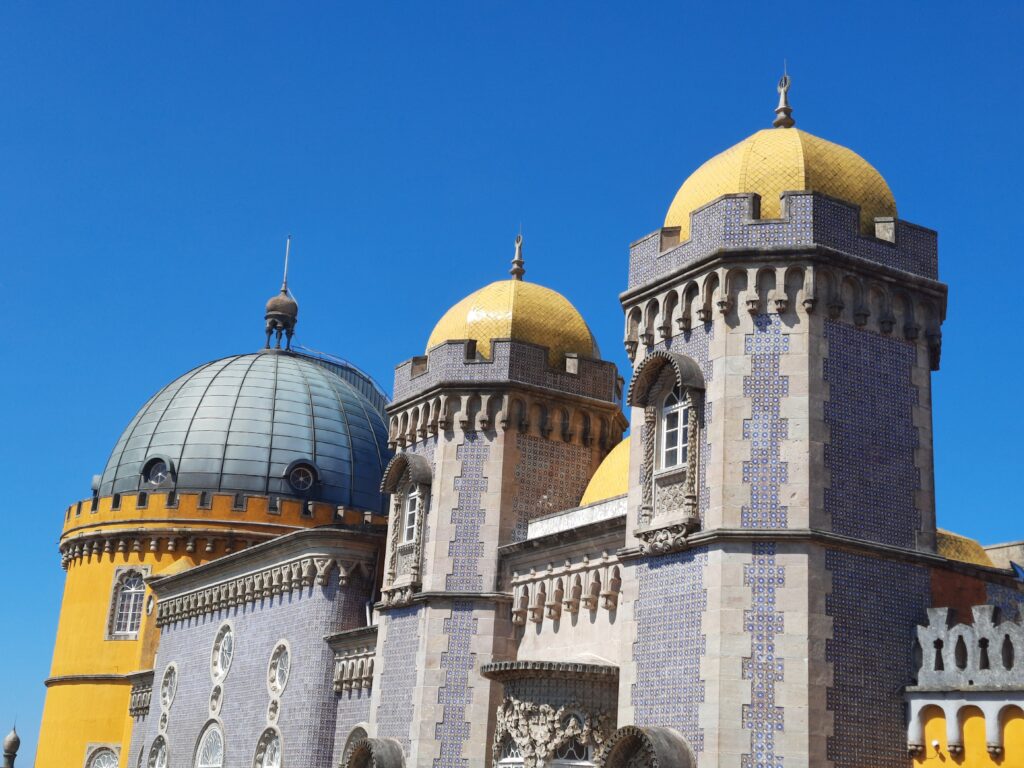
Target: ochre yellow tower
[[233, 453]]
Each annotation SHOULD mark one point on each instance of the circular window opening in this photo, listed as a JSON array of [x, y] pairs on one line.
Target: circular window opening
[[157, 472], [301, 477], [277, 673], [210, 753], [268, 750], [102, 758], [223, 652]]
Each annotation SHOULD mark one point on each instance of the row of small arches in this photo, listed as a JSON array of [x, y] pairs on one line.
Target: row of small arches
[[533, 602], [488, 411], [777, 290]]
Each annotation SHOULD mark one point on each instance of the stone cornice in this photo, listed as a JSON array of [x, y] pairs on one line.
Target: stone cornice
[[559, 670], [835, 541], [442, 596], [77, 679]]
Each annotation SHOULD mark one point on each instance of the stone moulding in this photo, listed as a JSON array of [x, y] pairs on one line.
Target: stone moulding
[[589, 584], [141, 695], [280, 579], [503, 671]]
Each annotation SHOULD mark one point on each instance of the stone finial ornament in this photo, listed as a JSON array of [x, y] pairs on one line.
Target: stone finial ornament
[[282, 311], [518, 268], [784, 112], [11, 743]]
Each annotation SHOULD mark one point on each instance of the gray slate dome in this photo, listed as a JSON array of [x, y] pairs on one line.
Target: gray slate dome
[[243, 424]]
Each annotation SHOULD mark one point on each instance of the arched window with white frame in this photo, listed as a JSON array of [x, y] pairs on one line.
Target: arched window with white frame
[[410, 512], [210, 748], [674, 431], [126, 610]]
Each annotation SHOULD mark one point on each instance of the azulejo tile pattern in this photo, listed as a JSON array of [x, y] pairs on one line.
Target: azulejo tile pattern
[[1007, 599], [694, 343], [550, 476], [807, 219], [398, 674], [765, 388], [466, 548], [671, 600], [456, 694], [875, 607], [870, 454], [763, 668]]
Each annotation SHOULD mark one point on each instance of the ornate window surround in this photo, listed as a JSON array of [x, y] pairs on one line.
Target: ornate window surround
[[209, 727], [120, 574], [96, 750], [408, 477], [654, 380]]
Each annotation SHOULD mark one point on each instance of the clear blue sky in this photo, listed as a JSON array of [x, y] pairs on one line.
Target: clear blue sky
[[155, 155]]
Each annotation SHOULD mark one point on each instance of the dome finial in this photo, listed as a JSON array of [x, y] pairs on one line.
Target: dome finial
[[783, 112], [282, 311], [518, 270], [11, 743]]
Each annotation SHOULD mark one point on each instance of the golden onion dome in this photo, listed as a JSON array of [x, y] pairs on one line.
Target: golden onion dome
[[783, 159], [953, 546], [515, 309], [611, 478]]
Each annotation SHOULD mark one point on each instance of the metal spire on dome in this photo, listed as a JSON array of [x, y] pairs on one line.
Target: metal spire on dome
[[518, 268], [282, 311], [783, 112]]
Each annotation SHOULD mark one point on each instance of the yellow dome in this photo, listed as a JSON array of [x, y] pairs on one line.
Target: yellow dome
[[515, 309], [611, 478], [956, 547], [778, 160]]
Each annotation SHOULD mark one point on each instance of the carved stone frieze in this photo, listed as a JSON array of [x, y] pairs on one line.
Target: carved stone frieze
[[662, 541], [539, 730]]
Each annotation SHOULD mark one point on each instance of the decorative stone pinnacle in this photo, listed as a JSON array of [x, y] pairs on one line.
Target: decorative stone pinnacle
[[784, 112], [282, 311], [518, 270]]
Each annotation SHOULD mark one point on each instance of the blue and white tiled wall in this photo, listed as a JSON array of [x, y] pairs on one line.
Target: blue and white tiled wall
[[398, 664]]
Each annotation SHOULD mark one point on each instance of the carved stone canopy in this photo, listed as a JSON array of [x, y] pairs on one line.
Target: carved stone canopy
[[650, 747], [419, 471], [687, 375], [376, 753]]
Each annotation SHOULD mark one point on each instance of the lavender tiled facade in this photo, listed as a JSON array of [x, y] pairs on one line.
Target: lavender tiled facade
[[550, 476], [671, 600], [467, 518], [398, 675], [456, 693], [875, 606], [870, 455], [302, 618]]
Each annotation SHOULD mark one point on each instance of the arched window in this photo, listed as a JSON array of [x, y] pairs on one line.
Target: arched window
[[410, 513], [128, 593], [510, 753], [158, 753], [210, 750], [102, 758], [268, 750], [674, 432], [575, 751]]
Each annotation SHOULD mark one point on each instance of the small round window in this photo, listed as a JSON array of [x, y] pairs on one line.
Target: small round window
[[157, 472], [102, 758], [277, 672], [223, 652], [168, 686], [301, 477]]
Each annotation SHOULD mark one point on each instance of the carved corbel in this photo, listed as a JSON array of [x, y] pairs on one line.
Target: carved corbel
[[647, 338], [704, 315], [752, 302], [835, 307], [860, 315], [631, 347]]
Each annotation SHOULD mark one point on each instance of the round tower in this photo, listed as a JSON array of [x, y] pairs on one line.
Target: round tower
[[233, 453]]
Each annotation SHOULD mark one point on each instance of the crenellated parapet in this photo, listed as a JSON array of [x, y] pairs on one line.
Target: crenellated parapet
[[963, 668], [452, 389], [810, 223]]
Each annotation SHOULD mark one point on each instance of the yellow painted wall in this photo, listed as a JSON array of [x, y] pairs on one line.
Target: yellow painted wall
[[80, 712], [975, 753]]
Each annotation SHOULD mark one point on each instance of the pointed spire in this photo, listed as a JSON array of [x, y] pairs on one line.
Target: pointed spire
[[282, 311], [287, 250], [518, 270], [783, 112]]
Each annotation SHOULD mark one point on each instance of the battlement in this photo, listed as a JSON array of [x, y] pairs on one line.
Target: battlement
[[985, 655], [457, 362], [809, 220]]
